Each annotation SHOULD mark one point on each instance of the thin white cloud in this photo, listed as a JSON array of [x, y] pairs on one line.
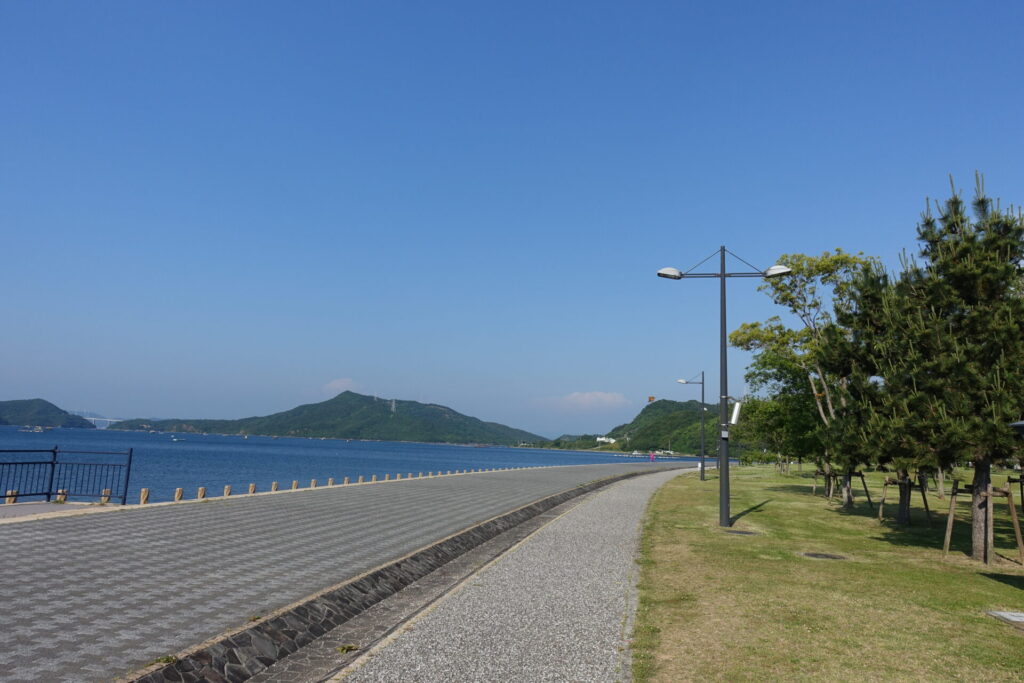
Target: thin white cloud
[[588, 401], [336, 386]]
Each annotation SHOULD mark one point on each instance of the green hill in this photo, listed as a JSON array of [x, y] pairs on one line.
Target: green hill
[[35, 412], [354, 416], [668, 425]]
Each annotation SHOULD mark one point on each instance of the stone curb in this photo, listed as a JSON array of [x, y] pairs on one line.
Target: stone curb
[[239, 655]]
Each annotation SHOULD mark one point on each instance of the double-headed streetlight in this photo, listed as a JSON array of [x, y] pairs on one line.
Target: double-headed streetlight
[[702, 410], [724, 518]]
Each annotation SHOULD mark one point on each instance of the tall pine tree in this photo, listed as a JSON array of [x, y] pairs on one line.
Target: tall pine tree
[[945, 344]]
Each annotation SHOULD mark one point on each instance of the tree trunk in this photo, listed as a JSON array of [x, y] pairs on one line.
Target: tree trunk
[[940, 483], [980, 509], [903, 509], [847, 490]]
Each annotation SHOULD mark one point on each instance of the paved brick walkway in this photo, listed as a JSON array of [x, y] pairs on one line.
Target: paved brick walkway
[[90, 597]]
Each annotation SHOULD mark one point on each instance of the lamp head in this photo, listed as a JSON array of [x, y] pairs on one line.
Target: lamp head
[[682, 381], [671, 273], [777, 270]]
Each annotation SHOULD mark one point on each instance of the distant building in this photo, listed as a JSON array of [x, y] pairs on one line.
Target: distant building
[[605, 439]]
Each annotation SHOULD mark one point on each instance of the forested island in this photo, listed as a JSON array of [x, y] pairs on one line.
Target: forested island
[[35, 412], [354, 416]]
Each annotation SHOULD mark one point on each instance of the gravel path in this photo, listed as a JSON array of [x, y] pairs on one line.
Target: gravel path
[[558, 607]]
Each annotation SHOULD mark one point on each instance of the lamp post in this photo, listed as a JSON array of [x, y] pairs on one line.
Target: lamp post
[[724, 518], [702, 411]]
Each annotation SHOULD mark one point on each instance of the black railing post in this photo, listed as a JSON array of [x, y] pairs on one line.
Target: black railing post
[[53, 466], [127, 474]]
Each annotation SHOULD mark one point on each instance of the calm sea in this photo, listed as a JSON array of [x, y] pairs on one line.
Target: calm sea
[[162, 463]]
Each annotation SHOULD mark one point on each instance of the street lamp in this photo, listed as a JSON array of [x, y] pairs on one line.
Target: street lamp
[[724, 519], [702, 411]]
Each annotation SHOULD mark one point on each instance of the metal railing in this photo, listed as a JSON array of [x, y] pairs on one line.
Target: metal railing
[[34, 475]]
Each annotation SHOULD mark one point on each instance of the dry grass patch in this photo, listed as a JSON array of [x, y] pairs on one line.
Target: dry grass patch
[[727, 607]]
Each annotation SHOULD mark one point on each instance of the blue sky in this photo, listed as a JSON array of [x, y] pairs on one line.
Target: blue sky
[[228, 209]]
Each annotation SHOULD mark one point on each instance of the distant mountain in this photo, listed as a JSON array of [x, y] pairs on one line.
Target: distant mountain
[[36, 412], [665, 424], [353, 416]]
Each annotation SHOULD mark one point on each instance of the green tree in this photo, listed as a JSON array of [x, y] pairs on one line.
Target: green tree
[[786, 360], [942, 349]]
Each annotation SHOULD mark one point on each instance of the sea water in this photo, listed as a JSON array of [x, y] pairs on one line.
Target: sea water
[[164, 461]]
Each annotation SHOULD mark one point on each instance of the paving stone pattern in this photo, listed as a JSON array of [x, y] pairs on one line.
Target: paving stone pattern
[[92, 597]]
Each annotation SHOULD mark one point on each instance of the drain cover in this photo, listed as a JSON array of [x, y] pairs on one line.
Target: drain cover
[[824, 556], [1014, 618], [742, 533]]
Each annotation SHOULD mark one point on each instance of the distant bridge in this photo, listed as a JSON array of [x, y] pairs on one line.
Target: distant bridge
[[102, 422]]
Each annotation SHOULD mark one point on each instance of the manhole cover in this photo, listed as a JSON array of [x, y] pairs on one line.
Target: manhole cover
[[824, 556], [742, 533]]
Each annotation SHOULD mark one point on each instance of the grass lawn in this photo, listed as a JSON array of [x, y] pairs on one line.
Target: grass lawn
[[714, 605]]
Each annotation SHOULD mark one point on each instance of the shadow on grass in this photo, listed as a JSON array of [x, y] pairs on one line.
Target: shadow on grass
[[753, 508], [1015, 580], [799, 489], [918, 534]]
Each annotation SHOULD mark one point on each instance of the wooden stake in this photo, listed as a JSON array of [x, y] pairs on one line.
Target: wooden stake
[[295, 484], [330, 481], [179, 493], [12, 496], [1016, 522], [104, 499], [881, 503], [227, 490], [252, 488], [201, 493], [867, 493], [274, 486], [952, 515], [62, 495], [344, 482], [312, 483], [143, 496]]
